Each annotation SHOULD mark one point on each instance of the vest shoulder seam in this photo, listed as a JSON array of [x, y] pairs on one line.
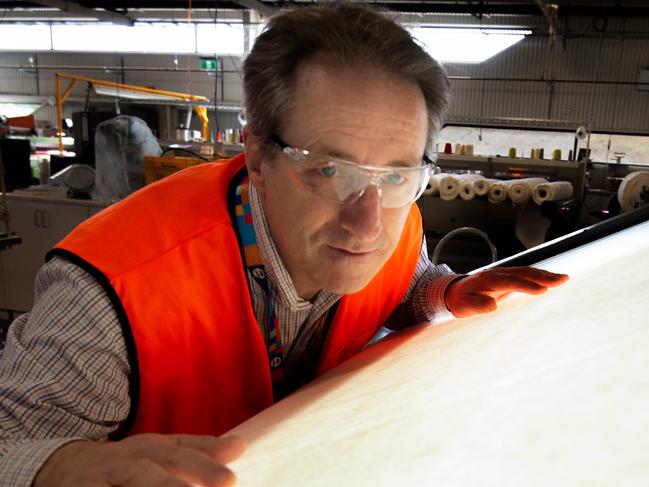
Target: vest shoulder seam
[[173, 247]]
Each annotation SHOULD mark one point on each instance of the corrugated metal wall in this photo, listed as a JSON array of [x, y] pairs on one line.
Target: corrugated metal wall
[[607, 68], [597, 101], [543, 95], [17, 81]]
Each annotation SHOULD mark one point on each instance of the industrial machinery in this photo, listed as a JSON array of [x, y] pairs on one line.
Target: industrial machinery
[[512, 167], [516, 227]]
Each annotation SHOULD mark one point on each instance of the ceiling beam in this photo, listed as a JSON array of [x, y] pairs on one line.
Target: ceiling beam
[[568, 8], [75, 9], [262, 9]]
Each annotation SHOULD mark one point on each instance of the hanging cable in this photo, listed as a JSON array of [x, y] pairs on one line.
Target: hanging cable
[[615, 92], [216, 83], [483, 92], [594, 97], [188, 59]]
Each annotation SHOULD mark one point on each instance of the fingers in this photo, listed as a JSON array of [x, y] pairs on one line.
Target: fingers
[[479, 293], [143, 473], [516, 279], [540, 276], [221, 450], [511, 282], [193, 466], [142, 461], [185, 460]]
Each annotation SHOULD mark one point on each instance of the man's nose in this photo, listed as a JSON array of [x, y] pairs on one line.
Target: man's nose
[[363, 218]]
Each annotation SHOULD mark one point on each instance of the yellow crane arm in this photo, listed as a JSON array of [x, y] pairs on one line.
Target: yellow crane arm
[[61, 96]]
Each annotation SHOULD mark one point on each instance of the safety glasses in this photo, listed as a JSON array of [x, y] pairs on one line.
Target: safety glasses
[[345, 181]]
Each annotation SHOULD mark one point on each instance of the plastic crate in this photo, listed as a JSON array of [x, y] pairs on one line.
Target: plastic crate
[[156, 168]]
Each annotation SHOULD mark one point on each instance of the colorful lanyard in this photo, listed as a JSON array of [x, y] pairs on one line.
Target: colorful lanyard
[[255, 266]]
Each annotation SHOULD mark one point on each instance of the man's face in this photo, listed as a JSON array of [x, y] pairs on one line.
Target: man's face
[[357, 116]]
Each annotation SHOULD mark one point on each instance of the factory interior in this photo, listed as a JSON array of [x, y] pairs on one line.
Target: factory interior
[[543, 159]]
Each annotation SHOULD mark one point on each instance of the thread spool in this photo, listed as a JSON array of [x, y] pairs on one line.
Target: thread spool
[[556, 155], [462, 150], [512, 152], [448, 148], [469, 149]]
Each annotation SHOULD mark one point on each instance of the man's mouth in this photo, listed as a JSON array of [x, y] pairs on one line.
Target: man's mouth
[[354, 253]]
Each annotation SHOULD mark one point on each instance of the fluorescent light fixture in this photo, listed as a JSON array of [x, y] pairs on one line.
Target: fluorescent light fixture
[[142, 37], [23, 105], [13, 110], [224, 39], [466, 45], [25, 37], [221, 39]]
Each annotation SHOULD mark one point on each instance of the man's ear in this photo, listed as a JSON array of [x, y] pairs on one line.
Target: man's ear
[[254, 158]]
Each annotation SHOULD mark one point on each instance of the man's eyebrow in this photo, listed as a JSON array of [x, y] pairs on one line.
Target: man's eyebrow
[[333, 152], [339, 154]]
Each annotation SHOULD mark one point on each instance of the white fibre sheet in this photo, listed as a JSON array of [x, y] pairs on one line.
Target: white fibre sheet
[[549, 390]]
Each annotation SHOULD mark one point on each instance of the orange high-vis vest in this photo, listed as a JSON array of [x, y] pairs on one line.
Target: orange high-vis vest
[[169, 259]]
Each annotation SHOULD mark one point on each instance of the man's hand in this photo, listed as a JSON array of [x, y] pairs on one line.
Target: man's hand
[[479, 293], [143, 461]]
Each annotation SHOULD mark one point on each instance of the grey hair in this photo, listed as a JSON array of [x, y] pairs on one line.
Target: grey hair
[[349, 36]]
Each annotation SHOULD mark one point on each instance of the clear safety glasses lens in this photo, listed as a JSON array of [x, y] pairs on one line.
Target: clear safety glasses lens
[[346, 182]]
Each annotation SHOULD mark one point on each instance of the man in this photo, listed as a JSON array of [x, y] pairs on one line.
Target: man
[[188, 307]]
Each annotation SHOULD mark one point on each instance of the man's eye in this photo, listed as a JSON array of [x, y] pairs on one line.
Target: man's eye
[[328, 171], [394, 178]]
